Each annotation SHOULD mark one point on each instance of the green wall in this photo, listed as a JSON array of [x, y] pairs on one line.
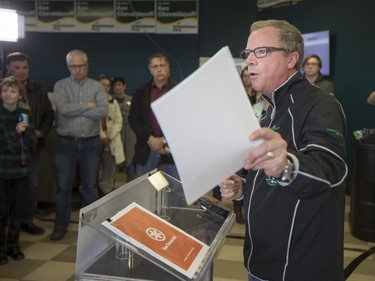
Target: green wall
[[224, 23], [221, 23], [112, 54]]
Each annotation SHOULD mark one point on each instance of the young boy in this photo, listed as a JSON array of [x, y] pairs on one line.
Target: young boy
[[16, 139]]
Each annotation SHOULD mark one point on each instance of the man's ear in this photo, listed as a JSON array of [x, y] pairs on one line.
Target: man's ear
[[293, 59]]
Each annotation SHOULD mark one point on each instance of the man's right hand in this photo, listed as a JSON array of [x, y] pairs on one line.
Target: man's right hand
[[232, 188]]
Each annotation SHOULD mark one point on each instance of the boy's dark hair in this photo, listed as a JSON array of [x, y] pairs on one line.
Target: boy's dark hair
[[11, 81], [117, 79], [16, 56]]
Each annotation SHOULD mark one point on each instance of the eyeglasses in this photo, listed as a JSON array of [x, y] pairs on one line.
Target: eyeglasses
[[156, 66], [75, 66], [259, 52]]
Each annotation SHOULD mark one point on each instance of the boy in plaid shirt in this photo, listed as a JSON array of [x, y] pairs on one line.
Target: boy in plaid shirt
[[16, 140]]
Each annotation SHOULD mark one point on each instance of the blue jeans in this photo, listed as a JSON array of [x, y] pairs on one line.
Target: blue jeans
[[177, 198], [68, 154], [31, 190], [130, 172]]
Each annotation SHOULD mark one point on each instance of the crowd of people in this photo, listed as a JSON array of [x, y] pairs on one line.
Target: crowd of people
[[291, 185], [98, 132]]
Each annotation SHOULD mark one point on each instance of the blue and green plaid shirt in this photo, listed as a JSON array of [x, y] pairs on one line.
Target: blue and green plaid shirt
[[15, 148]]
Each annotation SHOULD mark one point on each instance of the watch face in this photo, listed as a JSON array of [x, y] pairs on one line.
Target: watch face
[[288, 173]]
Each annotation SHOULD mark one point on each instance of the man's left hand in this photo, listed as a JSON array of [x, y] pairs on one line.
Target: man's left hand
[[269, 156], [156, 144]]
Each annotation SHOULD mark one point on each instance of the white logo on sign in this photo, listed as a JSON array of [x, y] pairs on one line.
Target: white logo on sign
[[155, 234]]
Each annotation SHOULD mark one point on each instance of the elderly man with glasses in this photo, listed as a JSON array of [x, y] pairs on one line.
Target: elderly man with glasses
[[81, 103]]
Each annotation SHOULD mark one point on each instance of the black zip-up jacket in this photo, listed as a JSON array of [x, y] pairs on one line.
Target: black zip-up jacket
[[140, 122], [40, 107], [295, 231]]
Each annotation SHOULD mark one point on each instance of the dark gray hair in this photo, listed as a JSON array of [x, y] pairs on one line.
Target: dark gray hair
[[290, 37], [158, 55]]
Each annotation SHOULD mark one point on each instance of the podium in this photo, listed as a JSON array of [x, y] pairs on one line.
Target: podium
[[102, 255]]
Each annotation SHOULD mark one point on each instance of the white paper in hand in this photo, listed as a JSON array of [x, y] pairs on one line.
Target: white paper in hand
[[207, 120]]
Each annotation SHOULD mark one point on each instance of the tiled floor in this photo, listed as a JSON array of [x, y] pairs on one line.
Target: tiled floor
[[55, 261]]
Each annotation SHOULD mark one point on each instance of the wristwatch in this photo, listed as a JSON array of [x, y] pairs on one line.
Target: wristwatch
[[289, 172], [165, 146]]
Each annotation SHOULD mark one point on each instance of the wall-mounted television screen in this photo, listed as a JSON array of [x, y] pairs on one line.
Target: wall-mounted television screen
[[318, 43]]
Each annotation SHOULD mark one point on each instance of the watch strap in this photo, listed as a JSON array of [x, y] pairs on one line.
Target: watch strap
[[289, 172]]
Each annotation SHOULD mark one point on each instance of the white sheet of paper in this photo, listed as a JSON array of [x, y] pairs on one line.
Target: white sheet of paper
[[206, 120]]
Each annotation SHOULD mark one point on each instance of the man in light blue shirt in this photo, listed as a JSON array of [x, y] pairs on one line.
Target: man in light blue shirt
[[80, 104]]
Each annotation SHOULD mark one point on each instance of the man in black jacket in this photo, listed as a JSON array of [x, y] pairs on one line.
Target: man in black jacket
[[294, 195], [312, 65], [151, 149], [37, 101]]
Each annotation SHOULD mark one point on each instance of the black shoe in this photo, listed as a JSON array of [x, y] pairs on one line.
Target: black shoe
[[15, 253], [32, 229], [3, 257], [57, 234]]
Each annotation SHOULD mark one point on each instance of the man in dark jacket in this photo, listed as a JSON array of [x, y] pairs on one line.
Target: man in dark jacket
[[312, 65], [151, 149], [294, 195], [36, 100]]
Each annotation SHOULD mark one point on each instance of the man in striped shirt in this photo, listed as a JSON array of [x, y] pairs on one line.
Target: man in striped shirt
[[80, 103]]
